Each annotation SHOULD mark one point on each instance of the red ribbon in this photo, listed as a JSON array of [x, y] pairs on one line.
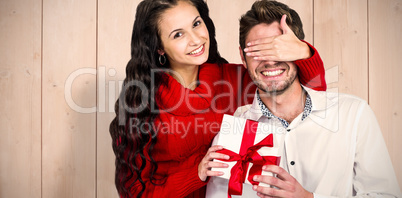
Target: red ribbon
[[248, 153]]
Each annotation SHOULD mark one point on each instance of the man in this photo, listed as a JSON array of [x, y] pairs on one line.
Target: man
[[333, 145]]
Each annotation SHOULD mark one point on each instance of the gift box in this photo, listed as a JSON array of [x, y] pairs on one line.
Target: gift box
[[250, 145]]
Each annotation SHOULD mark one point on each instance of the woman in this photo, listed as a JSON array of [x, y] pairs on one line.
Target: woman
[[175, 93]]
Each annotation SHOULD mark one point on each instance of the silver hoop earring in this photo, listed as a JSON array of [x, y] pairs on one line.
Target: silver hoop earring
[[162, 61]]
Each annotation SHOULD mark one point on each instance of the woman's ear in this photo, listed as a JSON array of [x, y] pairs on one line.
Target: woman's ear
[[161, 52]]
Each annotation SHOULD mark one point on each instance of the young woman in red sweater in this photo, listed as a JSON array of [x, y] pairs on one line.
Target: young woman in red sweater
[[176, 90]]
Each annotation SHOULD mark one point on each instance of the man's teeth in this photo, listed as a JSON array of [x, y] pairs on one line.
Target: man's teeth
[[197, 50], [272, 73]]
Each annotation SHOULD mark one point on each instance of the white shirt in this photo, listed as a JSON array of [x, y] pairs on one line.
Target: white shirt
[[337, 151]]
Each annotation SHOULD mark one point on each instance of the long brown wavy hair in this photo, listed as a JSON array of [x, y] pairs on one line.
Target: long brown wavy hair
[[133, 145]]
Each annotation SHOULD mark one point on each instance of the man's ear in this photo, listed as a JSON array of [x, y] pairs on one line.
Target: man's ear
[[243, 59]]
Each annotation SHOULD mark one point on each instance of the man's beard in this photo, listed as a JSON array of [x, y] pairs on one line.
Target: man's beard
[[275, 88]]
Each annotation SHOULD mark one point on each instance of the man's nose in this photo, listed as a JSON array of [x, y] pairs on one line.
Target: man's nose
[[270, 62]]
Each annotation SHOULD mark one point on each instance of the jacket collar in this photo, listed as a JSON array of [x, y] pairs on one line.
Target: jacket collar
[[321, 102]]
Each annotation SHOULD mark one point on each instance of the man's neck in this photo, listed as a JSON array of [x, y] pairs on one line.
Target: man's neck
[[287, 105]]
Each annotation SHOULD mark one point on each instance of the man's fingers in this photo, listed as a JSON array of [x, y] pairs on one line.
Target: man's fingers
[[215, 155], [273, 181], [215, 148], [212, 164], [214, 173], [268, 191], [212, 154], [263, 196], [280, 172], [206, 163]]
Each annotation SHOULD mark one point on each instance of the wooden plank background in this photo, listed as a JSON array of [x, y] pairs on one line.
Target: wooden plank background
[[340, 35], [115, 23], [62, 63], [20, 100], [385, 83], [69, 88]]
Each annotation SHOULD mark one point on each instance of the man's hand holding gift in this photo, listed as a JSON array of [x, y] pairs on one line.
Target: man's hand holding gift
[[240, 150], [204, 168], [286, 185]]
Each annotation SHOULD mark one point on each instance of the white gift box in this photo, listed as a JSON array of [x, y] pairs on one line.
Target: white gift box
[[231, 136]]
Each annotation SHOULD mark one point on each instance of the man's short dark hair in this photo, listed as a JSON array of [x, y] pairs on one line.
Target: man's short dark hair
[[269, 11]]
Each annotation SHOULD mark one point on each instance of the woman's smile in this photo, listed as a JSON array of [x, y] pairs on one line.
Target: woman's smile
[[198, 51]]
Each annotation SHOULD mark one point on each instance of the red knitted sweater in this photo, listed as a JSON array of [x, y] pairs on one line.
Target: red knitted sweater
[[189, 120]]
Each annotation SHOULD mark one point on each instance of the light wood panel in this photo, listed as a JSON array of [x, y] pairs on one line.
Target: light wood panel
[[305, 10], [20, 101], [385, 52], [226, 15], [69, 92], [340, 35], [115, 24]]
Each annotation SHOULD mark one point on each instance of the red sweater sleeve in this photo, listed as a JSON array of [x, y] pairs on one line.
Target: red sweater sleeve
[[178, 184], [311, 71]]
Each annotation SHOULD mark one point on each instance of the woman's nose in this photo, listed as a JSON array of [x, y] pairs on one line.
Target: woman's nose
[[195, 39]]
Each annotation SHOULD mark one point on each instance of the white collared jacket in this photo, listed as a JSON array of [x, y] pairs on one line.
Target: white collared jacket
[[337, 151]]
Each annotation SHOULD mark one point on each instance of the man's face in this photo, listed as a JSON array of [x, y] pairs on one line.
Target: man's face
[[269, 76]]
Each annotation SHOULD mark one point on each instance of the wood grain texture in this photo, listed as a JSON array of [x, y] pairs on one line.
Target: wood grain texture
[[385, 88], [305, 10], [340, 35], [20, 101], [69, 97], [115, 25], [225, 15]]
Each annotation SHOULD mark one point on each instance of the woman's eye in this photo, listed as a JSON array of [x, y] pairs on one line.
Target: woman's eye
[[177, 35], [197, 23]]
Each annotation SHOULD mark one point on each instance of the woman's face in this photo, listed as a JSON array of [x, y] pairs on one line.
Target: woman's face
[[184, 36]]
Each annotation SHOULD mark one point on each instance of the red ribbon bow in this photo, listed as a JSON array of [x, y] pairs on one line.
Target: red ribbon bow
[[247, 154]]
